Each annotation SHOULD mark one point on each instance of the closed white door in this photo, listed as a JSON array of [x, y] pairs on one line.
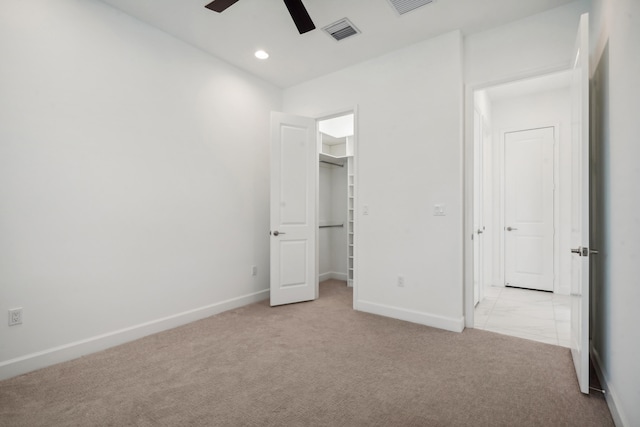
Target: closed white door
[[580, 207], [294, 172], [528, 214], [478, 219]]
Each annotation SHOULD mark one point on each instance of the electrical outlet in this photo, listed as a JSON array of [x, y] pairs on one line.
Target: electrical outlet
[[254, 270], [439, 210], [401, 281], [15, 316]]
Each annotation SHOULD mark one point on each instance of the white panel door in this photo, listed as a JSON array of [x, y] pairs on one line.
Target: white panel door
[[478, 199], [294, 172], [580, 206], [529, 228]]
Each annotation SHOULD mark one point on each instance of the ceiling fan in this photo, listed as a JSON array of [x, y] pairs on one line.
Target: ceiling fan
[[297, 11]]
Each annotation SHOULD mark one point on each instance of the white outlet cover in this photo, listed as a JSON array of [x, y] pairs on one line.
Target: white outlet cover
[[15, 316], [439, 210]]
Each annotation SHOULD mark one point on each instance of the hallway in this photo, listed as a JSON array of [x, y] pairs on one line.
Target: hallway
[[534, 315]]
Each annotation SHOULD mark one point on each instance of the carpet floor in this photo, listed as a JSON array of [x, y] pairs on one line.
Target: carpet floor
[[311, 364]]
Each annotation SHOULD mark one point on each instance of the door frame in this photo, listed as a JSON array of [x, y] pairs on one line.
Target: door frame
[[478, 211], [500, 232], [468, 174], [326, 116]]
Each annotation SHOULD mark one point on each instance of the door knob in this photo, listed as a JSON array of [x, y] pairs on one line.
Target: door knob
[[584, 251], [480, 231], [277, 233], [511, 229]]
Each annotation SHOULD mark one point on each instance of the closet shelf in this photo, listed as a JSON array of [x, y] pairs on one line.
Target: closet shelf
[[333, 160]]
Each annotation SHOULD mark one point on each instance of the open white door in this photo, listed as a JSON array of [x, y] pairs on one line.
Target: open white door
[[478, 208], [580, 207], [294, 171]]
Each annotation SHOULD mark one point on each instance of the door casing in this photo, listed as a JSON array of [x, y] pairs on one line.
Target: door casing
[[468, 181]]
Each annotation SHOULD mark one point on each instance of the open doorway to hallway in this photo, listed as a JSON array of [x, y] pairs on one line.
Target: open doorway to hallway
[[522, 208], [534, 315]]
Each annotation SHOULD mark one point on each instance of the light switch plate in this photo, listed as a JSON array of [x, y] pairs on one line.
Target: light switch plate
[[439, 210]]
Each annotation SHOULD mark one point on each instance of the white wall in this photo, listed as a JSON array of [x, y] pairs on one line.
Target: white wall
[[616, 229], [548, 108], [409, 158], [133, 194], [530, 46], [324, 218], [332, 210]]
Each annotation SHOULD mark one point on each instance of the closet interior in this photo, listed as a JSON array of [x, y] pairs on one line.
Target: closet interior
[[336, 199]]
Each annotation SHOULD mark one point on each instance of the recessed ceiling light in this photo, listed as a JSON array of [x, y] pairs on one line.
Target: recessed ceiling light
[[261, 54]]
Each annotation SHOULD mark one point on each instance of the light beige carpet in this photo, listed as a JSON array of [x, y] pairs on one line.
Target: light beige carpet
[[316, 363]]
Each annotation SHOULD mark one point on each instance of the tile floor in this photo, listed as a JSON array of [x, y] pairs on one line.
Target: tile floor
[[534, 315]]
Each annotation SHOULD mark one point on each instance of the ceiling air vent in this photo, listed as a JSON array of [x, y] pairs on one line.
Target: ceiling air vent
[[404, 6], [341, 30]]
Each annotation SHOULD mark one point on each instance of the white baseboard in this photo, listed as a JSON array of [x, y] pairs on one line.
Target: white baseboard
[[332, 275], [433, 320], [63, 353], [610, 394]]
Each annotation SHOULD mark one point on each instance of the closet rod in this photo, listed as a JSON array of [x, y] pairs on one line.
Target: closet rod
[[329, 163], [329, 226]]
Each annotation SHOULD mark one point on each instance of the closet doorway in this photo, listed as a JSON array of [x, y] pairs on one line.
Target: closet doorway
[[336, 198], [312, 207]]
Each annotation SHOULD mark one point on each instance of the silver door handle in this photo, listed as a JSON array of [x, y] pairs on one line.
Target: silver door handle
[[277, 233], [511, 229], [480, 231], [584, 251]]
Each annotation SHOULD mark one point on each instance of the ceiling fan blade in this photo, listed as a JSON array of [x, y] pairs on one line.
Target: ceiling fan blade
[[220, 5], [300, 16]]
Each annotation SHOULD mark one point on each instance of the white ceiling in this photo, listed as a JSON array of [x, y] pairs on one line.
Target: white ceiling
[[249, 25]]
